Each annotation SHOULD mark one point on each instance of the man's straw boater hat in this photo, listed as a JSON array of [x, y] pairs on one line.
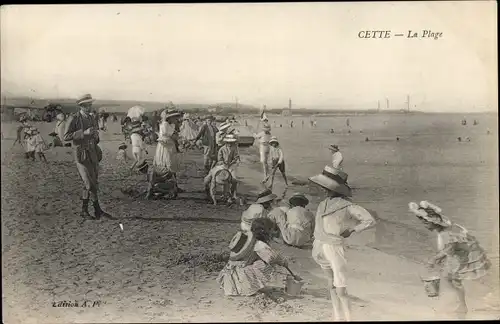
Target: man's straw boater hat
[[334, 180], [224, 126], [265, 196], [86, 98], [273, 139], [333, 147], [241, 245], [230, 138], [428, 212], [298, 199]]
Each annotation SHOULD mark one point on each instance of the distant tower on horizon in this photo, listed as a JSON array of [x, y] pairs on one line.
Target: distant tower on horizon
[[290, 103], [378, 105], [387, 102], [408, 103]]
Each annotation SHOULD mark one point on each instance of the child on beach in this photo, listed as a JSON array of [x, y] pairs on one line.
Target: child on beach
[[263, 137], [221, 134], [259, 209], [29, 144], [21, 133], [459, 255], [122, 152], [251, 262], [136, 138], [337, 157], [296, 224], [37, 145], [277, 161], [330, 232]]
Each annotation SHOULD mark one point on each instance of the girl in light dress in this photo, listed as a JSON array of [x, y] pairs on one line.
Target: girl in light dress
[[459, 257], [138, 147], [36, 145], [252, 261], [188, 131]]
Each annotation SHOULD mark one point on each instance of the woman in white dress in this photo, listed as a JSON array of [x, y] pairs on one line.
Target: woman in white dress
[[166, 161], [188, 130]]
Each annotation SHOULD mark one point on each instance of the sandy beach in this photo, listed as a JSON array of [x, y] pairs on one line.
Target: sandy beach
[[162, 266]]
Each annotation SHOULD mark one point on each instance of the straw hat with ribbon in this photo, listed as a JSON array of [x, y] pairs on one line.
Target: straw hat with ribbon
[[428, 212], [241, 246], [273, 139], [333, 180], [230, 138], [86, 98], [224, 126], [169, 113], [298, 199], [265, 196], [333, 147]]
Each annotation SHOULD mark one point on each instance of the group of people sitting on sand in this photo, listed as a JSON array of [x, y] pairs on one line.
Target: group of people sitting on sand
[[253, 262]]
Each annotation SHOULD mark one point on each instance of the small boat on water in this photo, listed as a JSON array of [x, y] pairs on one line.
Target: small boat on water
[[245, 134]]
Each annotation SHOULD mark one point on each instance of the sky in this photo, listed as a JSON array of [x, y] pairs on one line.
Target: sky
[[261, 54]]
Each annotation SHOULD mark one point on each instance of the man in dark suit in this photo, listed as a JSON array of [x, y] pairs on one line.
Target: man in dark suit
[[83, 129], [207, 135]]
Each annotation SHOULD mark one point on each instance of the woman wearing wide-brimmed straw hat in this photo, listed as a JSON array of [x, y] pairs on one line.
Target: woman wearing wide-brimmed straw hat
[[188, 130], [330, 232], [166, 162], [251, 262], [83, 129], [337, 157], [459, 257]]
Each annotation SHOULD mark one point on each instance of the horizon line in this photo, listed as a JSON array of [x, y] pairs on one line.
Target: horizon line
[[316, 107]]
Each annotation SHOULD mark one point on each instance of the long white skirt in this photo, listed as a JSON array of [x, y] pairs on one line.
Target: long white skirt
[[166, 156]]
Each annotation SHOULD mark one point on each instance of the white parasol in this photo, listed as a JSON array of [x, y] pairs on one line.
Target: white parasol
[[135, 112]]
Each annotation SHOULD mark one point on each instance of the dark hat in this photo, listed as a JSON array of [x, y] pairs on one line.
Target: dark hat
[[265, 196], [334, 147], [298, 199], [122, 146]]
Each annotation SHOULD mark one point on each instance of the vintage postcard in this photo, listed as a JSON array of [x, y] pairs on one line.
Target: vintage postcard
[[249, 162]]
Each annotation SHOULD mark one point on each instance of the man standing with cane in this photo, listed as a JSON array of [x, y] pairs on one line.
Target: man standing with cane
[[83, 129]]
